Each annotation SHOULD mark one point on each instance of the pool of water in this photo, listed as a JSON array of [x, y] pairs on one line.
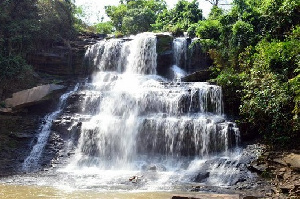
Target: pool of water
[[33, 192]]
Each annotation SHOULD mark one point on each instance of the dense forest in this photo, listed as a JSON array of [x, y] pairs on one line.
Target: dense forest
[[255, 48]]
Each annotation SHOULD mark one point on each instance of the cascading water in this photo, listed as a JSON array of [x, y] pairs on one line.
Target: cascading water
[[31, 163], [139, 121], [179, 58], [180, 51]]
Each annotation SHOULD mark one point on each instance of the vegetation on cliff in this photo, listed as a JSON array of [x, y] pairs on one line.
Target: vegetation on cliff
[[31, 26]]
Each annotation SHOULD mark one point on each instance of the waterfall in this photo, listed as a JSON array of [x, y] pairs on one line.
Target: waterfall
[[31, 163], [136, 114], [180, 52]]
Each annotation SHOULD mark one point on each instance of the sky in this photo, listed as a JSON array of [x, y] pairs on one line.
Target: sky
[[95, 8]]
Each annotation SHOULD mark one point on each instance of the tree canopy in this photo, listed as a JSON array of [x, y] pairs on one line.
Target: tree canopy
[[135, 16]]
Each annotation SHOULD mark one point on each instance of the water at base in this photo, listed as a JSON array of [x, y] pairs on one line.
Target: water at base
[[37, 192]]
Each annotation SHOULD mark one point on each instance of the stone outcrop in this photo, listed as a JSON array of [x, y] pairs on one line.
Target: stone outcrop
[[16, 134], [31, 96], [198, 76], [293, 161], [197, 59], [283, 171], [64, 59], [164, 53]]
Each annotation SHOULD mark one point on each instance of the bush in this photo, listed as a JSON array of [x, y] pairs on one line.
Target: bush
[[12, 67]]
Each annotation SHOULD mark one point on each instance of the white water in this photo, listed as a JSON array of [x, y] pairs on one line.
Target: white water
[[142, 124], [31, 163], [180, 52]]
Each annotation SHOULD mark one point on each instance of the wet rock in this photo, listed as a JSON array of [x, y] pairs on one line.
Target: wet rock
[[201, 177], [199, 76], [164, 47], [135, 179], [152, 168]]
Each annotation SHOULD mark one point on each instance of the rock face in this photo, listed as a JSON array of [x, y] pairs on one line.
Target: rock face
[[32, 96], [198, 76], [197, 59], [64, 59], [164, 53], [16, 134]]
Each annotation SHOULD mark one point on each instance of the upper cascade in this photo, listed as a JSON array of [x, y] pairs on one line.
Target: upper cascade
[[136, 56]]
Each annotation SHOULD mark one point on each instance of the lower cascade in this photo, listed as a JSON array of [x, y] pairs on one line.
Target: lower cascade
[[139, 130]]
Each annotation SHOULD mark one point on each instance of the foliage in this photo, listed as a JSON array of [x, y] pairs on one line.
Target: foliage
[[209, 29], [182, 16], [12, 66], [27, 26], [135, 16], [18, 27], [58, 20], [104, 27], [230, 81], [255, 49]]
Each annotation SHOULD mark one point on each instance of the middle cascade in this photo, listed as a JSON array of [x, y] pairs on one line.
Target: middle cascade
[[138, 116]]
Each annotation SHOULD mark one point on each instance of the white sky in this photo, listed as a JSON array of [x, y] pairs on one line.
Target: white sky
[[95, 8]]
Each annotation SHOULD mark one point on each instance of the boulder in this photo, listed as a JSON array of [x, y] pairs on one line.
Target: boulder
[[31, 96], [293, 160], [198, 76]]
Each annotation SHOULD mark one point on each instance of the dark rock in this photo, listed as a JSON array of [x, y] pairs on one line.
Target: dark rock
[[64, 59], [197, 59], [259, 168], [201, 177], [152, 168], [286, 188], [79, 124], [198, 76], [164, 54]]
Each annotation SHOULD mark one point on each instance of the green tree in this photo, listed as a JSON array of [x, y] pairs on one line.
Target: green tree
[[135, 16], [104, 27], [182, 16], [18, 26], [57, 21]]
